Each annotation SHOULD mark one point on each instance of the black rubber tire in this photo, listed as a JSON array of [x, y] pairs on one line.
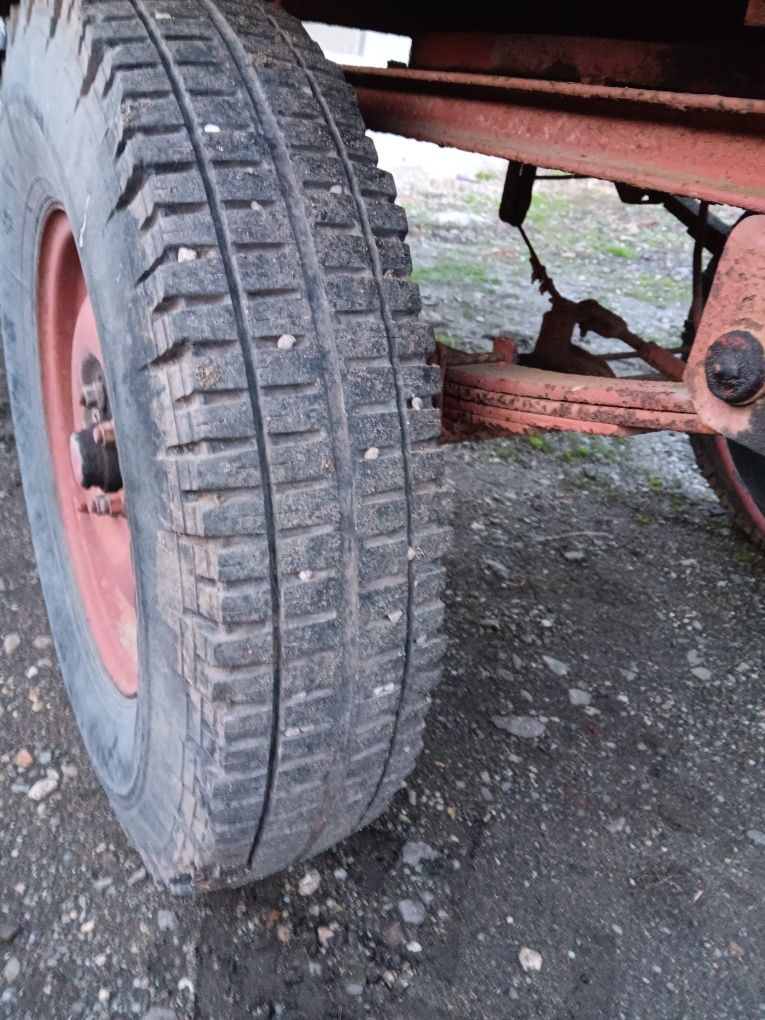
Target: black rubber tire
[[286, 503], [749, 468]]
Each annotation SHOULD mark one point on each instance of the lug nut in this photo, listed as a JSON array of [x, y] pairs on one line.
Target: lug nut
[[94, 465], [735, 367], [93, 394], [104, 433], [109, 504]]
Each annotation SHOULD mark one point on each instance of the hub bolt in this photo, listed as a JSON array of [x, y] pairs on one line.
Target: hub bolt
[[108, 505], [735, 367]]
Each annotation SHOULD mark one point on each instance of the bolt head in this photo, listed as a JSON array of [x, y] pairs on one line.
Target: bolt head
[[735, 367]]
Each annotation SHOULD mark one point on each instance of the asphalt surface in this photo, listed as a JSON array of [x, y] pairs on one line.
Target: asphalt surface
[[596, 591]]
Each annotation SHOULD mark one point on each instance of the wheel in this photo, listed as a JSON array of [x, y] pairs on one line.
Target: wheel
[[225, 425], [736, 475]]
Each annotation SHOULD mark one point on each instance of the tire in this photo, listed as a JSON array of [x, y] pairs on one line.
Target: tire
[[736, 475], [268, 381]]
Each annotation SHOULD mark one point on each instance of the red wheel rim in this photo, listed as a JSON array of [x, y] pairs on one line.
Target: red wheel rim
[[739, 486], [93, 520]]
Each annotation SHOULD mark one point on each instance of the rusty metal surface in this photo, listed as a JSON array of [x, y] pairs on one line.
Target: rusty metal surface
[[701, 146], [735, 307], [720, 66], [484, 397], [644, 19]]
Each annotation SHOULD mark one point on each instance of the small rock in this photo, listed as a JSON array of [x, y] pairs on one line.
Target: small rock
[[340, 874], [309, 883], [412, 911], [414, 946], [286, 342], [756, 836], [160, 1013], [528, 727], [11, 970], [336, 189], [139, 875], [530, 959], [10, 643], [372, 453], [186, 254], [283, 933], [499, 569], [555, 665], [574, 555], [353, 988], [167, 920], [395, 616], [702, 673], [394, 935], [42, 642], [8, 930], [324, 934], [415, 851], [23, 759], [416, 403], [104, 995], [44, 787], [579, 697], [389, 978], [212, 129]]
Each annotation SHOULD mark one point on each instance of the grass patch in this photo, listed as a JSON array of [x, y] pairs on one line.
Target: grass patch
[[451, 271], [484, 175], [538, 443], [620, 251], [501, 449], [660, 291], [447, 339]]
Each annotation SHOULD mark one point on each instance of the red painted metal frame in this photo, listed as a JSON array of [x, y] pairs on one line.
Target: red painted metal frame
[[702, 146], [499, 397], [98, 545], [736, 302], [725, 66]]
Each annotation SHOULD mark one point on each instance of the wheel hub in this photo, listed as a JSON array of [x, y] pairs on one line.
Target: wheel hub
[[82, 439]]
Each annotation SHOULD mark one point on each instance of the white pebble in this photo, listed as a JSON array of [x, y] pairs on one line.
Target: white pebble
[[256, 206], [10, 643], [395, 616], [43, 787], [417, 403], [336, 189], [530, 959], [186, 254], [372, 453], [305, 575], [411, 553], [211, 129], [414, 947], [309, 883], [286, 342], [104, 994], [162, 16]]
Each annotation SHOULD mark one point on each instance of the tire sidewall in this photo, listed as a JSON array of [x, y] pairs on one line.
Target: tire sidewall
[[57, 146]]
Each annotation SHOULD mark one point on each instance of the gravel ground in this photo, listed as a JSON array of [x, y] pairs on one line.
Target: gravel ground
[[585, 834]]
